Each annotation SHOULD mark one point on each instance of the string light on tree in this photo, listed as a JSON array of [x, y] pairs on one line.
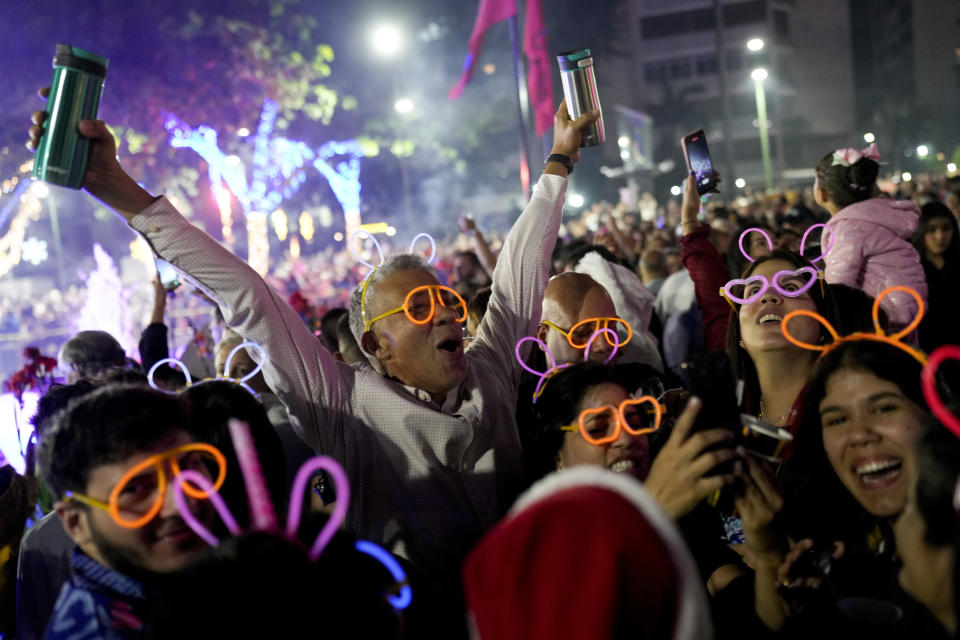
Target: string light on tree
[[305, 223], [279, 220]]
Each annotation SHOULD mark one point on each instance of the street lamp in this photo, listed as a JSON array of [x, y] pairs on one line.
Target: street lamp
[[869, 137], [759, 75], [922, 151], [755, 44], [386, 40]]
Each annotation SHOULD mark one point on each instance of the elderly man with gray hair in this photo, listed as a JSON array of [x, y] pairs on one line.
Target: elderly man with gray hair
[[427, 433]]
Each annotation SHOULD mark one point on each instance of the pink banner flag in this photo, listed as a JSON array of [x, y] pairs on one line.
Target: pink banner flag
[[489, 13], [539, 78]]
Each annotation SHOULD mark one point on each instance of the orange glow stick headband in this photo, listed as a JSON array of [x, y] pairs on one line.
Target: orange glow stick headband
[[878, 336], [553, 368], [226, 367]]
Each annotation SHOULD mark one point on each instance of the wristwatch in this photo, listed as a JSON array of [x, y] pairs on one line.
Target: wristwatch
[[562, 159]]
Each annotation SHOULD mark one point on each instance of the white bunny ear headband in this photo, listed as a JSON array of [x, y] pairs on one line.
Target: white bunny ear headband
[[376, 245], [263, 516], [226, 367]]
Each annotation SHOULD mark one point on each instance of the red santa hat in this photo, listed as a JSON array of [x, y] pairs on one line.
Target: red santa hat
[[585, 553]]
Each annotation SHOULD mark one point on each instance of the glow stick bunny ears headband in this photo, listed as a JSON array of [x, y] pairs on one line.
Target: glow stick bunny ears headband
[[803, 241], [376, 245], [878, 336], [553, 368], [263, 515], [226, 367]]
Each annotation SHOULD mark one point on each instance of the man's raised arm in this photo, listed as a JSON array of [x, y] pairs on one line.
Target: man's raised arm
[[297, 368], [523, 267]]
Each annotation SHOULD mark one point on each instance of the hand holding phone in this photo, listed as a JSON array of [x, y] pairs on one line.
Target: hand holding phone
[[697, 155], [168, 275]]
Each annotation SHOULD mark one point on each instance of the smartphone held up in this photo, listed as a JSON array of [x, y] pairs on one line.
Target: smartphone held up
[[168, 275], [697, 155]]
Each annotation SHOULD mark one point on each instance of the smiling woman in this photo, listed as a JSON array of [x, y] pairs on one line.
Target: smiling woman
[[866, 399]]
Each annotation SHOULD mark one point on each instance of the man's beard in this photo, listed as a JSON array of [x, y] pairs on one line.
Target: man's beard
[[122, 559]]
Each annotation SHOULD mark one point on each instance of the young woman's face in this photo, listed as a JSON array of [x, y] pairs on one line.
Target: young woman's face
[[938, 236], [869, 432], [627, 454], [760, 320]]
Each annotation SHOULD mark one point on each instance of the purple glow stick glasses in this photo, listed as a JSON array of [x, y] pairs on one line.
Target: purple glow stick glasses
[[729, 290]]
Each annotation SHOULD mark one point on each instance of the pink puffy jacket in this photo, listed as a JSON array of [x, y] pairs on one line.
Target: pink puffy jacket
[[871, 252]]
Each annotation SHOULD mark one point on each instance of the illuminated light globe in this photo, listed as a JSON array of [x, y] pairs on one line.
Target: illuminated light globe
[[922, 151], [741, 183], [403, 105], [869, 137], [575, 200], [623, 141], [759, 75], [675, 190], [34, 251], [755, 44], [906, 176], [386, 40], [952, 167]]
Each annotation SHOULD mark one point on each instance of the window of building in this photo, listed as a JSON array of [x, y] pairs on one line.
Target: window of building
[[674, 24], [655, 72], [781, 24], [680, 68], [745, 13], [734, 60], [707, 65]]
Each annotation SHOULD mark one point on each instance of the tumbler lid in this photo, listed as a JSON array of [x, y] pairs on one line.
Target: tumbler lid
[[570, 60], [79, 59]]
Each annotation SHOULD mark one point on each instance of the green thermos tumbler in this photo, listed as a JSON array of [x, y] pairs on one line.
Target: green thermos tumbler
[[75, 91]]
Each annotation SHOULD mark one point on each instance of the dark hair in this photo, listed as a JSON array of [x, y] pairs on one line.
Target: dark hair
[[477, 305], [557, 406], [579, 253], [743, 367], [328, 328], [471, 256], [212, 404], [938, 463], [928, 213], [91, 353], [56, 400], [855, 310], [846, 185], [106, 425]]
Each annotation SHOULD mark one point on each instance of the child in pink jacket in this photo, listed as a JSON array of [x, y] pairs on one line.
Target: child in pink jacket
[[871, 248]]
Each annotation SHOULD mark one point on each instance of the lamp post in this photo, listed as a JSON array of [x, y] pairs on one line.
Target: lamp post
[[759, 75]]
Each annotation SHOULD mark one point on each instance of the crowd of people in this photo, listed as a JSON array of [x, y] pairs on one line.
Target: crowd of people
[[693, 420]]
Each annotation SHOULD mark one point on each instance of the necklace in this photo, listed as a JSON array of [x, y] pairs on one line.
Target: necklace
[[779, 418]]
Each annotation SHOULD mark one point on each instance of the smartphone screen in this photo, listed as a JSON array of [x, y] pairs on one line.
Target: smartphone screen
[[168, 275], [697, 154]]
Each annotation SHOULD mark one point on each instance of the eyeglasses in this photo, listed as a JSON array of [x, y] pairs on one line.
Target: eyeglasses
[[602, 425], [791, 284], [143, 488], [420, 305], [579, 334]]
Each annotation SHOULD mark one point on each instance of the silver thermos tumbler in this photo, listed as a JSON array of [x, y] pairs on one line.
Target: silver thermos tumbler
[[580, 92]]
